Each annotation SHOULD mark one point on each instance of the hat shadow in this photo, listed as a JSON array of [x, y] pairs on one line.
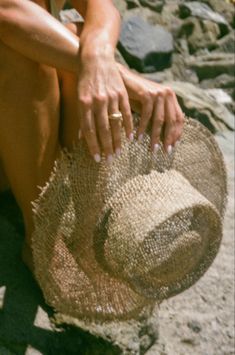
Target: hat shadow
[[23, 312]]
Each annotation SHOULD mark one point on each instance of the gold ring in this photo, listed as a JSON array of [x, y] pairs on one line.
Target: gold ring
[[116, 116]]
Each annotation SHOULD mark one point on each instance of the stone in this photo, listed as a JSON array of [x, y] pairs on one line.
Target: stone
[[200, 33], [224, 8], [144, 55], [199, 104], [203, 11], [131, 4], [181, 71], [227, 43], [121, 6], [212, 64], [223, 81], [220, 96], [195, 326], [155, 5]]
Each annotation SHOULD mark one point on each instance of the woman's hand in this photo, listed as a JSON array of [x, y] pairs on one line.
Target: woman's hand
[[101, 92], [157, 103]]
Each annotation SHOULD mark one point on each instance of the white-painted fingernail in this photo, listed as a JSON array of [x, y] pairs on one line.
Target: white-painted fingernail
[[97, 158], [109, 158], [118, 152], [169, 149], [131, 137], [156, 148], [140, 137]]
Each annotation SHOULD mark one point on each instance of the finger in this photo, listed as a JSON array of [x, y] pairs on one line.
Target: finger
[[180, 119], [158, 122], [146, 114], [88, 130], [103, 128], [115, 126], [127, 116], [170, 132]]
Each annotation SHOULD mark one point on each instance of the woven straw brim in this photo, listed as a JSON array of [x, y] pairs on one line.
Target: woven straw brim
[[75, 261]]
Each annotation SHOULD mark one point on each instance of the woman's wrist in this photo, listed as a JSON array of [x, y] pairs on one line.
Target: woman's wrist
[[96, 45]]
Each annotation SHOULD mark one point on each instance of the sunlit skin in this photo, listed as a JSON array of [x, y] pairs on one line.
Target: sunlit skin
[[44, 64]]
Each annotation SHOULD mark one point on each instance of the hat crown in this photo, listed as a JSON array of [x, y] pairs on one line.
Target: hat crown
[[151, 224]]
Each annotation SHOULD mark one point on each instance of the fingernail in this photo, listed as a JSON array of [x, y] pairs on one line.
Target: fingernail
[[156, 148], [131, 137], [118, 152], [140, 137], [109, 158], [169, 149], [79, 134], [97, 158]]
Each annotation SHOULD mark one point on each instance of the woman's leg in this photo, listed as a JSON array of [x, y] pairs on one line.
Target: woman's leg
[[29, 121]]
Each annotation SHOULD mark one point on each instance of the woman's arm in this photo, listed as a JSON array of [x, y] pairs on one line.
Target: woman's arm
[[33, 32]]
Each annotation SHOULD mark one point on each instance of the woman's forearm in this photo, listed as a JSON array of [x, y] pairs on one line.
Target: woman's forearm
[[33, 32]]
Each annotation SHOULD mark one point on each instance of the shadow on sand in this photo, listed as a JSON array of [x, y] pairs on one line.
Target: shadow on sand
[[21, 302]]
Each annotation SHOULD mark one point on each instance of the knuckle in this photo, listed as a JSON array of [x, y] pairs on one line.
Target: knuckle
[[100, 98], [85, 100]]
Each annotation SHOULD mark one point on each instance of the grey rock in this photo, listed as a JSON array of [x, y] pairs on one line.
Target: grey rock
[[203, 11], [220, 96], [155, 5], [200, 33], [132, 4], [199, 104], [212, 64], [144, 55], [223, 81], [195, 326], [160, 77], [121, 6], [224, 8], [227, 43], [181, 71]]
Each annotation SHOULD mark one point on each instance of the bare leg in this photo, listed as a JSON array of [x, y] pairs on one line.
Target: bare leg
[[29, 121]]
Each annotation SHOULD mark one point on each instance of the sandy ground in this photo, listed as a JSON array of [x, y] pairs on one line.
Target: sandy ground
[[200, 321]]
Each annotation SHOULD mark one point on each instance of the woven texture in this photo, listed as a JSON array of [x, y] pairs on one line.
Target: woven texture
[[112, 239]]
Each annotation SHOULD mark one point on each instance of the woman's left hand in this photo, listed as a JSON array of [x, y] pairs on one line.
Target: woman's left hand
[[158, 103]]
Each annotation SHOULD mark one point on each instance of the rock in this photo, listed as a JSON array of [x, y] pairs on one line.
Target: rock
[[181, 71], [220, 96], [195, 326], [224, 8], [227, 43], [145, 56], [160, 77], [155, 5], [200, 33], [212, 64], [203, 11], [121, 6], [131, 4], [130, 337], [223, 81], [199, 104]]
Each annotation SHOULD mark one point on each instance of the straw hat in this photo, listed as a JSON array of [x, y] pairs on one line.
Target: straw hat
[[112, 239]]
